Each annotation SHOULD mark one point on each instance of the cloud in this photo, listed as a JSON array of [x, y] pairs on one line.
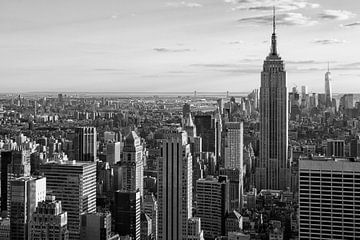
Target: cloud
[[236, 42], [284, 19], [230, 67], [266, 5], [354, 24], [336, 15], [328, 41], [184, 4], [172, 50]]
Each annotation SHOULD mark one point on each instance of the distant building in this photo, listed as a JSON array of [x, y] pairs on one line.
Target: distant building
[[49, 221], [74, 184], [328, 89], [329, 203], [95, 226], [85, 144], [335, 148], [113, 152]]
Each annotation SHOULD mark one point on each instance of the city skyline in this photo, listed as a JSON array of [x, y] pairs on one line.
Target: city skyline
[[174, 45]]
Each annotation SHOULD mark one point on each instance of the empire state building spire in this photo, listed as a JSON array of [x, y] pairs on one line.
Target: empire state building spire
[[273, 37]]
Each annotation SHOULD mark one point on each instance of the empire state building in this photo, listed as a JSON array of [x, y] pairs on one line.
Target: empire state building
[[273, 169]]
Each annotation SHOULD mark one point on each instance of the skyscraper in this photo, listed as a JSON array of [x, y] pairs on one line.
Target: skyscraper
[[132, 169], [272, 170], [328, 91], [175, 185], [127, 213], [14, 164], [212, 204], [74, 184], [25, 194], [85, 144], [233, 155]]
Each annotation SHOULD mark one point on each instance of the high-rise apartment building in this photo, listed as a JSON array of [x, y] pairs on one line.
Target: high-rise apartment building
[[25, 193], [329, 200], [74, 184], [85, 144], [273, 171], [49, 221], [212, 205], [175, 185]]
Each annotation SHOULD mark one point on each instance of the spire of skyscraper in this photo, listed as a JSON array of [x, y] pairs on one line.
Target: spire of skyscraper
[[273, 37]]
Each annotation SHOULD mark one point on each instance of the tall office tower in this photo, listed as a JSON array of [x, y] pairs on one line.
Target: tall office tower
[[329, 201], [26, 192], [74, 184], [233, 145], [95, 226], [14, 164], [132, 166], [127, 213], [328, 91], [49, 221], [212, 194], [175, 185], [150, 207], [85, 144], [273, 171]]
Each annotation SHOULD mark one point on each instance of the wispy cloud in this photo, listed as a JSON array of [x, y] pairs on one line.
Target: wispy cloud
[[265, 5], [354, 24], [284, 19], [184, 4], [336, 15], [328, 41], [172, 50]]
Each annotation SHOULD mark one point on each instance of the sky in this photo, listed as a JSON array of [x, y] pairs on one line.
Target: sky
[[175, 45]]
